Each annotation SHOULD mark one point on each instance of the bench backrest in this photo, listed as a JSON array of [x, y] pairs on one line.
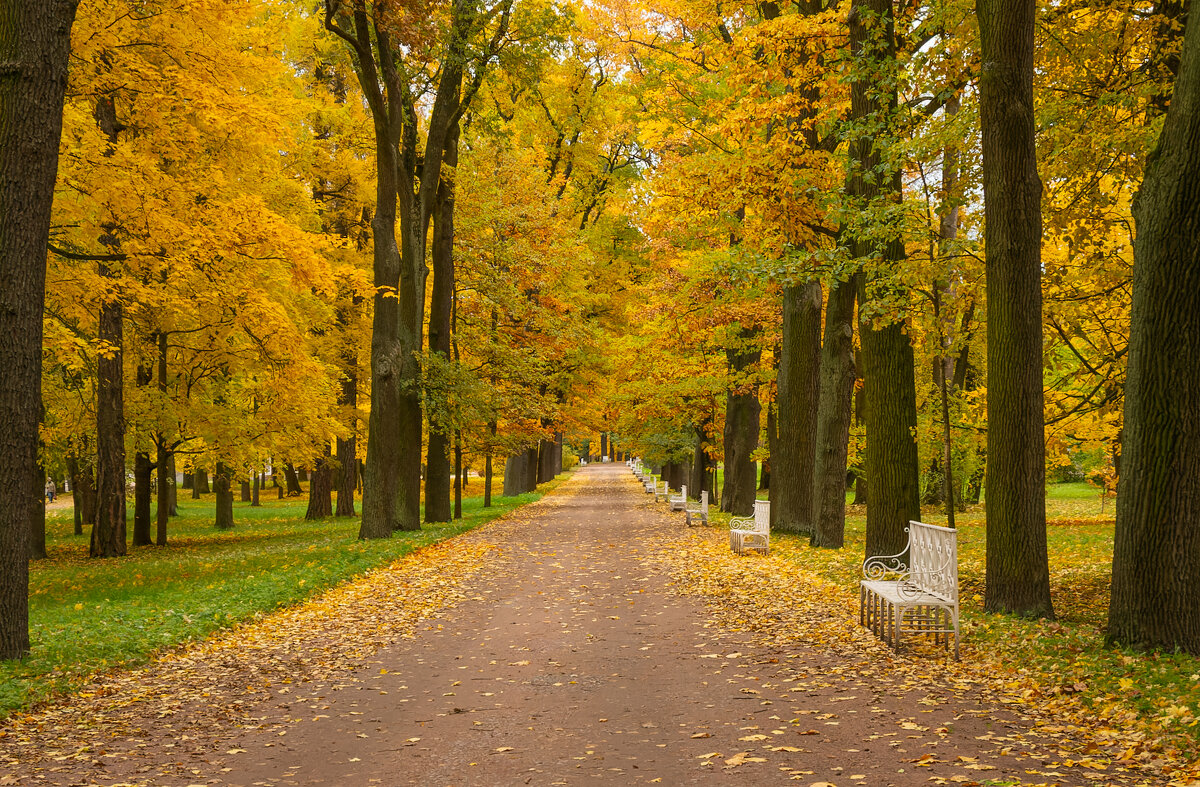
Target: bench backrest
[[933, 559], [762, 516]]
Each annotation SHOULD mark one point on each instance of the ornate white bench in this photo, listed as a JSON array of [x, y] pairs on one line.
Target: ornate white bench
[[752, 532], [918, 596], [678, 502], [663, 490], [650, 483], [697, 510]]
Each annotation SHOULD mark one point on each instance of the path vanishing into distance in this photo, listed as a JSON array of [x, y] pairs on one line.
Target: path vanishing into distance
[[582, 640]]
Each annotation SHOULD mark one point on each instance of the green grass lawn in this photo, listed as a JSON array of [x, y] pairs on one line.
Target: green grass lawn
[[87, 614]]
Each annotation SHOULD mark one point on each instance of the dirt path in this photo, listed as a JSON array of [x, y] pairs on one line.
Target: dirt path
[[567, 659]]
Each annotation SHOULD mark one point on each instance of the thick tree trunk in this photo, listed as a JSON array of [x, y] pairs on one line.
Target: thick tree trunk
[[244, 490], [143, 477], [1155, 599], [200, 482], [799, 376], [293, 480], [558, 453], [223, 487], [1018, 574], [603, 444], [545, 464], [108, 535], [320, 489], [887, 355], [531, 469], [741, 427], [515, 474], [34, 45], [833, 417]]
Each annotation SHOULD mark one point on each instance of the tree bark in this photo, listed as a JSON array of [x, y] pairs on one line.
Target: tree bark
[[699, 482], [1156, 559], [487, 466], [515, 474], [143, 477], [799, 377], [293, 480], [833, 417], [347, 448], [254, 501], [320, 489], [741, 427], [441, 306], [223, 487], [1017, 574], [108, 534], [887, 355], [458, 474], [200, 482], [603, 444], [34, 47], [76, 502]]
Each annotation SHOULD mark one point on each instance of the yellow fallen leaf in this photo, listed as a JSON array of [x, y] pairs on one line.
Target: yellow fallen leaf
[[701, 735], [505, 748], [523, 663]]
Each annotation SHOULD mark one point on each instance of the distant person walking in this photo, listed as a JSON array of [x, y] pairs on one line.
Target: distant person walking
[[51, 490]]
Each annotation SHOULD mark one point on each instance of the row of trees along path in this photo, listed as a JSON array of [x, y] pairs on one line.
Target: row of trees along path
[[552, 647]]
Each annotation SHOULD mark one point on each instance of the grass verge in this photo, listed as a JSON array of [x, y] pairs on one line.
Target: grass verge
[[1153, 698], [88, 615]]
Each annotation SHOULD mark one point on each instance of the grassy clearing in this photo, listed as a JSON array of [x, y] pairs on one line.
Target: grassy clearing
[[87, 615], [1066, 658]]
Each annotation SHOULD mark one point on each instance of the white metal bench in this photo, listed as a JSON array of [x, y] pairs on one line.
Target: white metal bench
[[663, 490], [918, 595], [697, 510], [678, 502], [650, 483], [752, 532]]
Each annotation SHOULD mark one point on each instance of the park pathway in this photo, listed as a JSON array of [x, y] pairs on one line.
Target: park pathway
[[565, 658]]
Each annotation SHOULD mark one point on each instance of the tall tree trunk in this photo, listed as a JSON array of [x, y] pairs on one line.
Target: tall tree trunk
[[741, 426], [487, 466], [1155, 599], [200, 482], [531, 469], [699, 481], [143, 474], [603, 444], [799, 377], [173, 495], [833, 417], [545, 464], [1018, 573], [558, 453], [76, 504], [244, 489], [887, 353], [347, 448], [943, 295], [143, 477], [165, 468], [223, 487], [320, 489], [254, 501], [34, 46], [108, 535], [458, 474], [441, 306]]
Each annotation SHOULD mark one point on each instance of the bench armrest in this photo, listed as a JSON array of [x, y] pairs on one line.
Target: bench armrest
[[741, 523], [879, 566]]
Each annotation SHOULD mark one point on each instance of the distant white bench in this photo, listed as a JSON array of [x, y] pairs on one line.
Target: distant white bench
[[918, 595], [697, 510], [650, 483], [663, 490], [752, 532], [678, 502]]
